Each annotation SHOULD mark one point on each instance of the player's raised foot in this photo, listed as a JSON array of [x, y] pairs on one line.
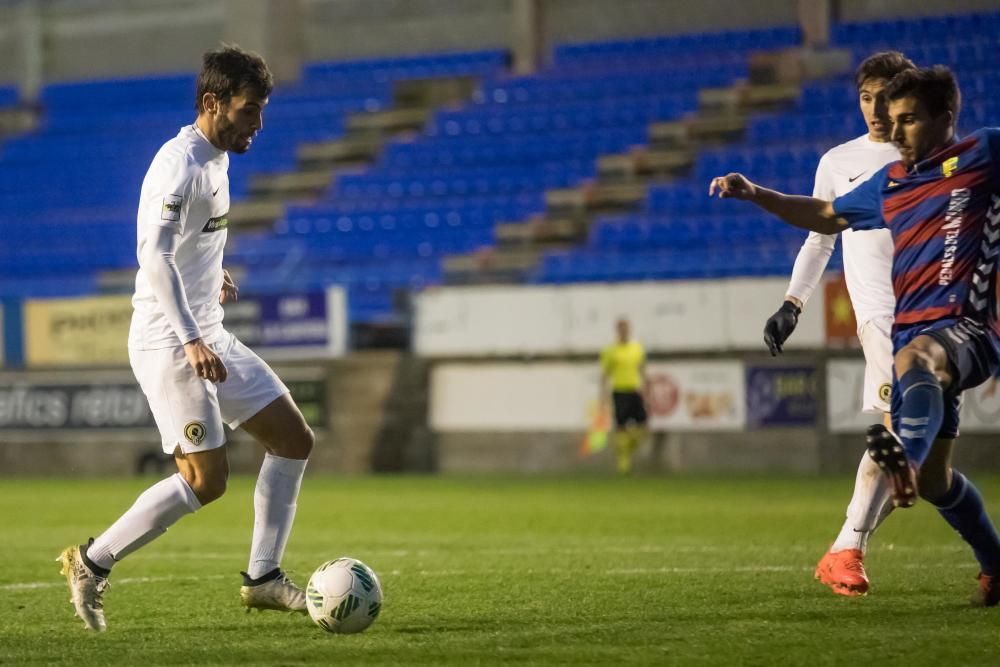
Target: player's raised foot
[[274, 591], [86, 588], [844, 572], [987, 593], [887, 451]]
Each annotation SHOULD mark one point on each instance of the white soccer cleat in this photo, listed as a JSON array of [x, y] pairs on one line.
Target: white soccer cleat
[[86, 589], [278, 593]]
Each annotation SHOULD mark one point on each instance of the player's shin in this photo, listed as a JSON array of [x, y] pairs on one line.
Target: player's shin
[[921, 412], [623, 454], [156, 509], [869, 506], [962, 507], [274, 504]]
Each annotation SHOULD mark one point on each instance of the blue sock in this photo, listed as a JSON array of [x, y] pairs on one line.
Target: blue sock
[[962, 507], [920, 413]]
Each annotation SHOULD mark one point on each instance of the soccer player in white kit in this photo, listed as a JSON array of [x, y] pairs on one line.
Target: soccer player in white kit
[[867, 268], [194, 373]]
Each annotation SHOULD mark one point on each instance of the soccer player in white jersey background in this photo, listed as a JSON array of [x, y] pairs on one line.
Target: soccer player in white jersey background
[[867, 268], [194, 373]]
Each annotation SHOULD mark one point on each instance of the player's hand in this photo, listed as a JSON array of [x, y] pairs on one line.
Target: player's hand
[[204, 361], [732, 186], [229, 292], [780, 326]]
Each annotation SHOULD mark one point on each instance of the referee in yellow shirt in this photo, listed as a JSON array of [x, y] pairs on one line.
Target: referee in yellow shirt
[[624, 365]]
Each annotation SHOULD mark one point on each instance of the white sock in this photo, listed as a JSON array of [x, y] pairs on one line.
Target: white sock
[[155, 510], [274, 511], [869, 507]]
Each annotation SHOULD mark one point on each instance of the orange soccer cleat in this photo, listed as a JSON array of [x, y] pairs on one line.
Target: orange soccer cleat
[[987, 593], [844, 572]]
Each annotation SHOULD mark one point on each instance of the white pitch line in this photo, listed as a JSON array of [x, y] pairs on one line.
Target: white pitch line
[[124, 580], [555, 551], [748, 569]]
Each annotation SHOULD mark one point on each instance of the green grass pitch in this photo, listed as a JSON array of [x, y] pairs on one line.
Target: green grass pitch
[[487, 570]]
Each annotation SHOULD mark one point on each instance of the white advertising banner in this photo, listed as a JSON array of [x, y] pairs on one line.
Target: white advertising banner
[[558, 396], [666, 317], [512, 396], [670, 316], [845, 382], [697, 396], [750, 301], [490, 321]]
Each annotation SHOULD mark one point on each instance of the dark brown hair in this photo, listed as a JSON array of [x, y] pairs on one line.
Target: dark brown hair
[[934, 87], [228, 70], [883, 65]]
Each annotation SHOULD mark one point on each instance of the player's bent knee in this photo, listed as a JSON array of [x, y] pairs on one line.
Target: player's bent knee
[[303, 444], [932, 485], [911, 357], [297, 446], [208, 489]]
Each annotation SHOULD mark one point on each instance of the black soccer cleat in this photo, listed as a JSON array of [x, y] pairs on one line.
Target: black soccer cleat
[[887, 451]]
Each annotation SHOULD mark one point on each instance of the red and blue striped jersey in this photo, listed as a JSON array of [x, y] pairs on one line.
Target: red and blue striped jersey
[[944, 214]]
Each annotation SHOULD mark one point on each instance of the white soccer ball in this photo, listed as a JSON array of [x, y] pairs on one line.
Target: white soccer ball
[[344, 596]]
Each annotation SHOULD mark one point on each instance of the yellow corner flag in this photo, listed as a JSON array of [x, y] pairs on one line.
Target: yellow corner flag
[[596, 437]]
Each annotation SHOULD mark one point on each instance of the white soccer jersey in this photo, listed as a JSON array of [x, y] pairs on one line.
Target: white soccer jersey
[[185, 190], [867, 254]]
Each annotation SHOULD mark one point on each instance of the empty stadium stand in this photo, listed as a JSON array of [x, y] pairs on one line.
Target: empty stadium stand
[[593, 169]]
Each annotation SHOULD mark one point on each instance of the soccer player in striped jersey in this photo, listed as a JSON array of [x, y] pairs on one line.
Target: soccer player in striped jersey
[[867, 268], [941, 201]]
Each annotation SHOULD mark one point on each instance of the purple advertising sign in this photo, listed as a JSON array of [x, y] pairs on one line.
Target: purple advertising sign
[[782, 396], [280, 320]]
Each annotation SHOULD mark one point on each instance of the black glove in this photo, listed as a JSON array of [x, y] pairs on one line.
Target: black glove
[[780, 326]]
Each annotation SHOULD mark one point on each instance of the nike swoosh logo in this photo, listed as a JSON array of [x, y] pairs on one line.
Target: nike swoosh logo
[[851, 180], [216, 190]]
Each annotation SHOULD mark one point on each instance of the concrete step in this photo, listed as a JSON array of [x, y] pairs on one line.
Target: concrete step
[[351, 150], [595, 197], [427, 93], [541, 231], [384, 123], [745, 97], [295, 184], [491, 265], [697, 131], [256, 215], [645, 162], [16, 121]]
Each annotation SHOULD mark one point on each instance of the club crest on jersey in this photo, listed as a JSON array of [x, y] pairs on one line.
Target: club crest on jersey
[[171, 209], [216, 224], [885, 392], [949, 166], [195, 433]]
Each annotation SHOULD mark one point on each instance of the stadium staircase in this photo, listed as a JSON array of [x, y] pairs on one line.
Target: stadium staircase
[[622, 182]]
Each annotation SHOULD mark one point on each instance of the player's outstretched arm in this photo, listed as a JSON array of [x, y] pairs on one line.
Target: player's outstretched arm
[[809, 213]]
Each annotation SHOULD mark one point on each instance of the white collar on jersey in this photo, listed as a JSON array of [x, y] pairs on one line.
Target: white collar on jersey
[[197, 130]]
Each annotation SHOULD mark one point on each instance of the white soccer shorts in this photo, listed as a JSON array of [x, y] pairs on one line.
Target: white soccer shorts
[[876, 342], [189, 411]]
